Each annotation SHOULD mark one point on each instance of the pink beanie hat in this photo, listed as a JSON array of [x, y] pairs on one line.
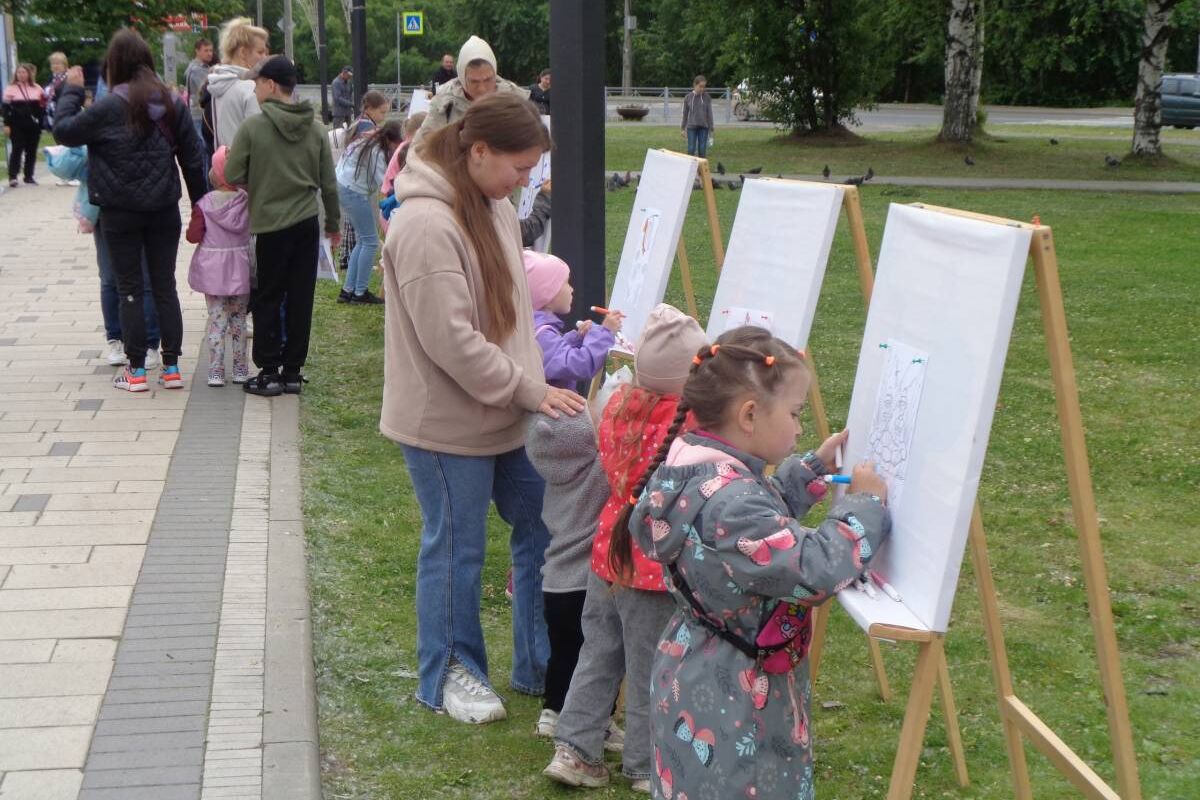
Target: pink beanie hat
[[218, 163], [546, 274]]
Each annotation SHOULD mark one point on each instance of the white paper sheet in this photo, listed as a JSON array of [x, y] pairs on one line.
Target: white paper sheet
[[778, 250], [419, 102], [947, 286], [651, 240]]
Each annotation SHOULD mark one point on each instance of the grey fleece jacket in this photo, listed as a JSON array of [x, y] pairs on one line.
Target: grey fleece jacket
[[563, 451]]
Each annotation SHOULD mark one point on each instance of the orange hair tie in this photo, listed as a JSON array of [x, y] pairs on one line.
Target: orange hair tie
[[770, 361], [714, 349]]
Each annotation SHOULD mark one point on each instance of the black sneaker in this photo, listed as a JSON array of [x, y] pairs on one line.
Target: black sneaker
[[367, 299], [31, 181], [345, 297], [292, 382], [264, 384]]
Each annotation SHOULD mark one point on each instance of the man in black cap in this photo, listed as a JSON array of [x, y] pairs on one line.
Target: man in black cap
[[343, 98], [282, 158]]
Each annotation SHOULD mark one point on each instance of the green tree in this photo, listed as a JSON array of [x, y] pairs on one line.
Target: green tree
[[811, 63], [82, 28]]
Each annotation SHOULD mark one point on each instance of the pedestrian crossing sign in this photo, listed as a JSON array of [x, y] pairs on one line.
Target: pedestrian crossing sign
[[414, 23]]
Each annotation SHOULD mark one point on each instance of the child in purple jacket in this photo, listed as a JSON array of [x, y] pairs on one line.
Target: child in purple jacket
[[576, 355], [220, 268]]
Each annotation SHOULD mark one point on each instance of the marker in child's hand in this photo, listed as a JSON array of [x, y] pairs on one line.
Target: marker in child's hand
[[846, 479], [600, 310], [837, 457], [888, 589]]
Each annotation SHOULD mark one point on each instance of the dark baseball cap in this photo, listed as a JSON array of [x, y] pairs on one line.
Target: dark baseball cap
[[347, 69], [276, 68]]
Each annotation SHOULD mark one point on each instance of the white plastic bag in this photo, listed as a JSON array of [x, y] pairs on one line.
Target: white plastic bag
[[612, 382], [326, 266]]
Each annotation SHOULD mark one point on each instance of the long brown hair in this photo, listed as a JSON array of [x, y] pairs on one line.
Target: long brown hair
[[129, 60], [30, 73], [746, 359], [506, 124]]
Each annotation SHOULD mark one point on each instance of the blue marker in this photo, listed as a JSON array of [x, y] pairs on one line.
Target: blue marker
[[846, 479]]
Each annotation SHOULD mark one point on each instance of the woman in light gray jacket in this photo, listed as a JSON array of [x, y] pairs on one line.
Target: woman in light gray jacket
[[243, 45]]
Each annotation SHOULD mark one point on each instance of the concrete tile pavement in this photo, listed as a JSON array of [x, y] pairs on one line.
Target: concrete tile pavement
[[141, 641]]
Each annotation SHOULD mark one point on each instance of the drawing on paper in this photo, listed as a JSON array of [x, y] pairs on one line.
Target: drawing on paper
[[738, 317], [890, 439], [647, 232]]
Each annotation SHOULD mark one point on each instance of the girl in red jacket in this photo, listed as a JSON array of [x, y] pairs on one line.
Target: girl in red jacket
[[622, 624]]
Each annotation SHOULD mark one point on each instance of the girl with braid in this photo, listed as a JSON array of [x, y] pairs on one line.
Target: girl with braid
[[621, 624], [730, 689]]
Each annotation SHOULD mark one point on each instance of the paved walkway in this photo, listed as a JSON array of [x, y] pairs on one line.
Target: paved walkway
[[154, 623]]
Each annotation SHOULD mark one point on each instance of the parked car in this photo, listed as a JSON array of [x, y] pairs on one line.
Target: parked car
[[1181, 100]]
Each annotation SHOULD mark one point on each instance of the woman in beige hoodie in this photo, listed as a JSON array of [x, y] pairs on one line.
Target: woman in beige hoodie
[[461, 372]]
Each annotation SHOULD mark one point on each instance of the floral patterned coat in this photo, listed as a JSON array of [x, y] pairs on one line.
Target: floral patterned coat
[[724, 724]]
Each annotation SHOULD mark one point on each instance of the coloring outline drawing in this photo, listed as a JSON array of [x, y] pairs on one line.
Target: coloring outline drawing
[[889, 441], [737, 317]]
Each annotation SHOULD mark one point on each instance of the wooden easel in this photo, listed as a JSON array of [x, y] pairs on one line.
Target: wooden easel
[[852, 205], [704, 175], [1018, 719]]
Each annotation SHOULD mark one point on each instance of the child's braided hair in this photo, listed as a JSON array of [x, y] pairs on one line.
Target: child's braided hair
[[746, 360]]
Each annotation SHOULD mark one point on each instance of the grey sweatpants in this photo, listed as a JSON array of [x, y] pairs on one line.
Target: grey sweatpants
[[621, 630]]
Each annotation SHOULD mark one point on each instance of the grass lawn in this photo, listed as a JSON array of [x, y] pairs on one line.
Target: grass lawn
[[909, 153], [1129, 277]]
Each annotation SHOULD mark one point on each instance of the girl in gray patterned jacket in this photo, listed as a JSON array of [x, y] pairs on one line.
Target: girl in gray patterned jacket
[[730, 688]]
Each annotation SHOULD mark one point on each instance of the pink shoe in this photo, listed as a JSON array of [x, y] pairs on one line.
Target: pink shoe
[[508, 587]]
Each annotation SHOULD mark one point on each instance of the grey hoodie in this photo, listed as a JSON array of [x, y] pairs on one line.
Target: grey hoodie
[[564, 453], [233, 100]]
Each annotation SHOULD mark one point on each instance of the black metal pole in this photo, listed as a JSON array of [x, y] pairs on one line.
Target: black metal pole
[[322, 61], [358, 48], [577, 63]]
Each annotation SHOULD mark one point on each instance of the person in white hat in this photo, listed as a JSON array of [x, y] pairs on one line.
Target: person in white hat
[[477, 78]]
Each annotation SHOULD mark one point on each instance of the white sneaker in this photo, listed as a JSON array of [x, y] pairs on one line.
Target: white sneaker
[[614, 737], [152, 360], [466, 698], [547, 724], [642, 786], [115, 355]]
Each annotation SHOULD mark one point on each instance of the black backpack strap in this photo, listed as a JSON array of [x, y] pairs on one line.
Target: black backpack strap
[[701, 616]]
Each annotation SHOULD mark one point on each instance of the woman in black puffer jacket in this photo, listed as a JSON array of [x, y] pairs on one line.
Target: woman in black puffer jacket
[[135, 135]]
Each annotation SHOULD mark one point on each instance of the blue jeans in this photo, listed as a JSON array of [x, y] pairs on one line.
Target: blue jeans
[[698, 142], [199, 125], [361, 212], [455, 493], [110, 303]]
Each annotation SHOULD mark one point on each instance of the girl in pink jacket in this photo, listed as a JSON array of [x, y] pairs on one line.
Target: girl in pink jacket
[[220, 268]]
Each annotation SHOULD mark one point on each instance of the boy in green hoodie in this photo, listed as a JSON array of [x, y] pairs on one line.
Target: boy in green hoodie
[[282, 157]]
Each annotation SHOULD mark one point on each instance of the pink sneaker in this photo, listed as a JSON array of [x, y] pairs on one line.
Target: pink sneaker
[[508, 587]]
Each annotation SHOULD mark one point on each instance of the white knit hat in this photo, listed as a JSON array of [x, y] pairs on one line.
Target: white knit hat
[[476, 49]]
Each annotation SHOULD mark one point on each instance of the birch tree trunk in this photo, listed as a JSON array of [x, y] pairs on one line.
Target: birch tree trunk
[[963, 52], [977, 67], [1147, 109]]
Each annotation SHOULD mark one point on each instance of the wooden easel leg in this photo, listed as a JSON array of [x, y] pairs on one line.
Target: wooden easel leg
[[685, 271], [885, 689], [953, 734], [852, 203], [1083, 506], [820, 623], [714, 222], [994, 632], [916, 716]]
